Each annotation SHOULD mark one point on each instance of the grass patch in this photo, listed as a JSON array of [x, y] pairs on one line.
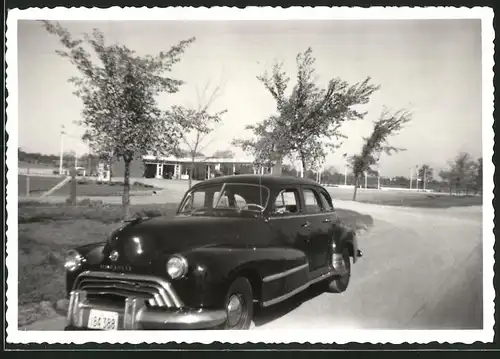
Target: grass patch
[[405, 198], [85, 187], [47, 231], [430, 201]]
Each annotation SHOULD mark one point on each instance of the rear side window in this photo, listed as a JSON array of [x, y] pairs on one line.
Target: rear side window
[[311, 201], [326, 202], [287, 202]]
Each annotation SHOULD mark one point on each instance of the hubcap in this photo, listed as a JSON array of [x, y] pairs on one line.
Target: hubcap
[[339, 264], [234, 310]]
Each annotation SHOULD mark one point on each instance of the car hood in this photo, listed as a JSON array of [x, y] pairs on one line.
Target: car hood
[[146, 242]]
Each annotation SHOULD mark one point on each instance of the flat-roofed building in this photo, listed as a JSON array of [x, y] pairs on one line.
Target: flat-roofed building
[[171, 167]]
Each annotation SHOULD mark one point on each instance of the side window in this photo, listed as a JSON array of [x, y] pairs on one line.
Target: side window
[[240, 201], [325, 201], [199, 199], [287, 202], [224, 201], [195, 200], [311, 201]]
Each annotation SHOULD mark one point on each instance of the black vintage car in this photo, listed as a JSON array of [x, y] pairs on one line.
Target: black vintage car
[[236, 242]]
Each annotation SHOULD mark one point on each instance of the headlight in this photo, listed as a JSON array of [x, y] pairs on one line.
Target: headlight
[[177, 266], [73, 261]]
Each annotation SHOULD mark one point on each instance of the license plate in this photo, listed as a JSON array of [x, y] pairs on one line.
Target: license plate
[[103, 320]]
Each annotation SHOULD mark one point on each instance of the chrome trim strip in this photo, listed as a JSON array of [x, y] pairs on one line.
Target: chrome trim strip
[[297, 290], [166, 290], [279, 275], [191, 319], [121, 288], [273, 218]]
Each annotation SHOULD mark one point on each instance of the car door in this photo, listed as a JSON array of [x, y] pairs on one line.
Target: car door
[[316, 220], [287, 220], [329, 217]]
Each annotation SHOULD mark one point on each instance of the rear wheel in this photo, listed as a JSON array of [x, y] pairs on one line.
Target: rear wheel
[[340, 262], [239, 305]]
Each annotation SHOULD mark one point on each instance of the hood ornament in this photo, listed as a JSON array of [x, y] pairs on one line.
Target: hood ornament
[[113, 256]]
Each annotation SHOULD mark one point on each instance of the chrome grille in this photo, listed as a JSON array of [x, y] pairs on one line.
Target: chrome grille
[[105, 285]]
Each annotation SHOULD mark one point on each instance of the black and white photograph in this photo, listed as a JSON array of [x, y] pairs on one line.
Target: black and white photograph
[[250, 175]]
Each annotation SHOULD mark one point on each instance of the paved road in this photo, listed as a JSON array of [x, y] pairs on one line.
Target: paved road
[[422, 269]]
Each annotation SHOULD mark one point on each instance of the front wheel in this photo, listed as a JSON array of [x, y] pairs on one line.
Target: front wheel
[[239, 305], [340, 262]]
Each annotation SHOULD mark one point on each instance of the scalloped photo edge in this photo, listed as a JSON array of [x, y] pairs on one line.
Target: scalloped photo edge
[[289, 335]]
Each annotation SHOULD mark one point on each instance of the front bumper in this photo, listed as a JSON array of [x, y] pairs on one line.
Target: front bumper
[[137, 315]]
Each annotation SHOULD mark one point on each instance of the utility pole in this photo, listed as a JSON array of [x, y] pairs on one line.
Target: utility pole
[[411, 176], [345, 168], [425, 174], [62, 151], [378, 177], [416, 174], [366, 180], [28, 181]]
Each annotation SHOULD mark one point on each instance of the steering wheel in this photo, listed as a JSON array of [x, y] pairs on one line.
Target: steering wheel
[[248, 205]]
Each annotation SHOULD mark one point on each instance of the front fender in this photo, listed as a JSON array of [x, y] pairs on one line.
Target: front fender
[[213, 269], [92, 253]]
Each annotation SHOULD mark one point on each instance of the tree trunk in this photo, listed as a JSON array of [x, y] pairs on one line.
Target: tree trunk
[[110, 162], [303, 161], [126, 189], [277, 168], [191, 171], [356, 184]]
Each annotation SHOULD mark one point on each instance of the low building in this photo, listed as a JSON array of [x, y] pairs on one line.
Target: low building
[[170, 167]]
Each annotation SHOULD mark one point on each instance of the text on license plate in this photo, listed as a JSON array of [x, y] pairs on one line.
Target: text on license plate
[[103, 320]]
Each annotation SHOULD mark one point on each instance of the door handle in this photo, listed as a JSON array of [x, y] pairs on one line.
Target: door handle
[[306, 225], [327, 220]]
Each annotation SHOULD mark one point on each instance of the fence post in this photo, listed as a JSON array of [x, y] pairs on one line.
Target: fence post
[[28, 182], [72, 193]]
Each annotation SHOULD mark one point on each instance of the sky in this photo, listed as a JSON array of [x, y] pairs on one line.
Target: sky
[[430, 67]]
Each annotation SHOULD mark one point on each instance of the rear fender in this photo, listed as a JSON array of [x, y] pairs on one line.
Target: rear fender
[[347, 239]]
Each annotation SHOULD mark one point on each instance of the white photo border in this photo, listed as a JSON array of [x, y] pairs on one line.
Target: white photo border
[[14, 335]]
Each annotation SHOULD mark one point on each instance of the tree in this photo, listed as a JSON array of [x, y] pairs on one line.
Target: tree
[[265, 146], [308, 120], [197, 123], [478, 176], [461, 172], [385, 126], [120, 112], [447, 177], [223, 154], [425, 172]]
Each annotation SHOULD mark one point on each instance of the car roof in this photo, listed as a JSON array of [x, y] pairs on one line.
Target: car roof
[[265, 180]]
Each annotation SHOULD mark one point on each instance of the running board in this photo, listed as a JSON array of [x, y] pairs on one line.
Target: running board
[[297, 290]]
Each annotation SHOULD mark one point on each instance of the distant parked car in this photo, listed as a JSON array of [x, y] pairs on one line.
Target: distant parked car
[[235, 242]]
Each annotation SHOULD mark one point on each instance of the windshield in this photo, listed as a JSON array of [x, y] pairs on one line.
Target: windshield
[[228, 198]]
